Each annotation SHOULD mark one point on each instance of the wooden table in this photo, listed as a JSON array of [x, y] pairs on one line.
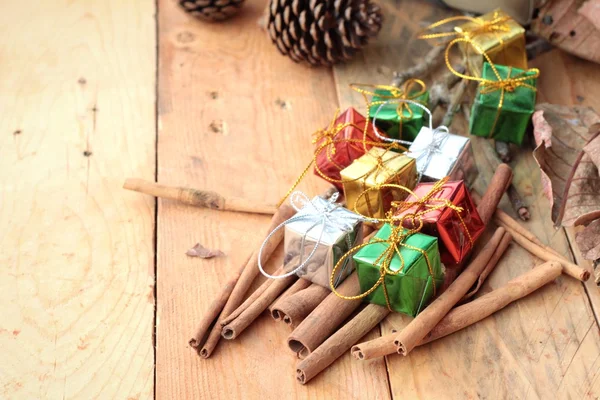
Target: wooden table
[[98, 296]]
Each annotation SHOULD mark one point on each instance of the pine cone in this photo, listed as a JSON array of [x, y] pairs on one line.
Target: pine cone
[[211, 10], [322, 32]]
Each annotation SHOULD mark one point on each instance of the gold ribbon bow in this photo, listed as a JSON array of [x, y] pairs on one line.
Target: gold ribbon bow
[[412, 89], [508, 84], [480, 27]]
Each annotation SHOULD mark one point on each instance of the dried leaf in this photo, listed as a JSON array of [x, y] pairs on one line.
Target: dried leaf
[[202, 252], [570, 178], [590, 10], [588, 241]]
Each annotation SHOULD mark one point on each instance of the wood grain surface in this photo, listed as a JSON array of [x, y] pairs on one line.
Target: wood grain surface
[[77, 115], [236, 116], [80, 86]]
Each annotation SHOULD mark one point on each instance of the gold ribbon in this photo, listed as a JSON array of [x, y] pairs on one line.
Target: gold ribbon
[[481, 27], [396, 240], [508, 84], [412, 89], [399, 234]]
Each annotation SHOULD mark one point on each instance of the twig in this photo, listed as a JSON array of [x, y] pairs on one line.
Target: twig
[[455, 102], [518, 204], [431, 60], [198, 197], [503, 151], [537, 47], [466, 112], [439, 93]]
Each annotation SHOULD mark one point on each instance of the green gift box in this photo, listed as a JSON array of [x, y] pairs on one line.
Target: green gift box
[[412, 288], [503, 107], [388, 118]]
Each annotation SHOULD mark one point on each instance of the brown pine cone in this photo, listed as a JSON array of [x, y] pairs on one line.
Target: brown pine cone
[[322, 32], [211, 10]]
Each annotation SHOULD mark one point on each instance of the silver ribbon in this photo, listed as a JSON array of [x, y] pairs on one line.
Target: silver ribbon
[[320, 215]]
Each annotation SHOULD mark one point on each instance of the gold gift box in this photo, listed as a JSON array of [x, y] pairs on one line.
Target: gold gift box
[[364, 173], [504, 46]]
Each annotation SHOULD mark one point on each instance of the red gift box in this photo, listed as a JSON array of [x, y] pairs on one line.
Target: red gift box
[[457, 230], [339, 154]]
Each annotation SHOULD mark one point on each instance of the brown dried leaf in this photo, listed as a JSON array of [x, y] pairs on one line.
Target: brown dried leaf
[[202, 252], [590, 10], [588, 241], [570, 178]]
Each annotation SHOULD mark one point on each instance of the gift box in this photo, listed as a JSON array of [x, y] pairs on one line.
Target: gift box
[[448, 213], [378, 166], [416, 276], [399, 120], [338, 233], [440, 154], [503, 40], [338, 154], [500, 113]]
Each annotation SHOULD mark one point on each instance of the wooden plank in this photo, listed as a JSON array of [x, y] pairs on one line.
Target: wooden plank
[[236, 116], [545, 346], [77, 112]]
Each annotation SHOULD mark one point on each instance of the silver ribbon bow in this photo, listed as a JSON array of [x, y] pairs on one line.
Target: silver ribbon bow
[[321, 215]]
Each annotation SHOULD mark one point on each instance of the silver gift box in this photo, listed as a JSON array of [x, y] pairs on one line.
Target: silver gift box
[[334, 242], [440, 154]]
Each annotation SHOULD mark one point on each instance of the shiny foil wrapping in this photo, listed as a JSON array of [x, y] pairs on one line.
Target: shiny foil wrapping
[[505, 46], [334, 243], [452, 156], [445, 223], [367, 172], [410, 290]]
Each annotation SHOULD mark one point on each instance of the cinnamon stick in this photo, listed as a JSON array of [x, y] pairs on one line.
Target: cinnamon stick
[[547, 254], [198, 197], [470, 313], [251, 299], [215, 309], [506, 239], [497, 187], [234, 328], [246, 278], [298, 286], [338, 343], [324, 319], [293, 309], [380, 347], [486, 305], [423, 323]]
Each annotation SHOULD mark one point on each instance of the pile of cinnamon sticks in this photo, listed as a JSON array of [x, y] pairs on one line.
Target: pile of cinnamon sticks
[[317, 316]]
